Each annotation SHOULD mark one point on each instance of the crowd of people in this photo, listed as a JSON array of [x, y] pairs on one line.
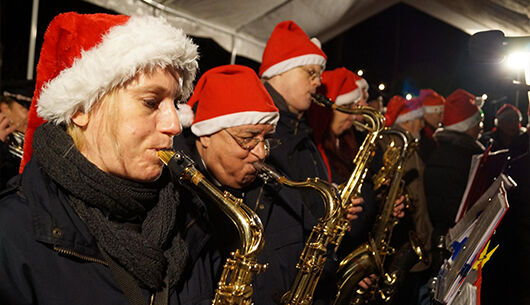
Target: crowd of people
[[95, 218]]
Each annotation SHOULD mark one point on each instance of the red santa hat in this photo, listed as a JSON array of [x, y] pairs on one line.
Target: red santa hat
[[85, 56], [290, 47], [462, 111], [229, 96], [400, 110], [432, 101], [344, 87], [507, 110]]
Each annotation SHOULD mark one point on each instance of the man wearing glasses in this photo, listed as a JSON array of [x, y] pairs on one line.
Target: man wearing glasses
[[233, 127], [290, 69]]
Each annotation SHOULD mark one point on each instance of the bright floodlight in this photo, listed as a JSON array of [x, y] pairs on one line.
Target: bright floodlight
[[408, 96], [518, 60], [360, 72], [484, 96], [381, 86]]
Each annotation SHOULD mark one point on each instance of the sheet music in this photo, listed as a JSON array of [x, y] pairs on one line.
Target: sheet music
[[474, 230], [484, 169], [466, 223]]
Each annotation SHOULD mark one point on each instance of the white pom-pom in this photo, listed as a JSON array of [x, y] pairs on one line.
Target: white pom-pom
[[316, 42], [479, 101], [185, 115]]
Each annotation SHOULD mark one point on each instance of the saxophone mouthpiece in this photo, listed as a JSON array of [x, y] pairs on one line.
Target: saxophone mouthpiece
[[265, 171], [322, 100], [258, 166], [165, 155]]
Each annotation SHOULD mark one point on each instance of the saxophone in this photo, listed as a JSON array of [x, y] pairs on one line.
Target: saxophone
[[16, 143], [313, 257], [332, 226], [369, 258], [235, 286], [374, 123]]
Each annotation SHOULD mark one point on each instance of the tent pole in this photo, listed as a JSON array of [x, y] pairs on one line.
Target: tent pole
[[32, 39], [234, 51]]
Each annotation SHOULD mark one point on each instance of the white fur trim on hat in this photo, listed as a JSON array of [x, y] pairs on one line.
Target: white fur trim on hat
[[411, 115], [466, 124], [185, 114], [434, 109], [349, 98], [363, 86], [213, 125], [303, 60], [141, 43]]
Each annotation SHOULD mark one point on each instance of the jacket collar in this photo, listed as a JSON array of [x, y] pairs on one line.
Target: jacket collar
[[294, 124], [54, 221]]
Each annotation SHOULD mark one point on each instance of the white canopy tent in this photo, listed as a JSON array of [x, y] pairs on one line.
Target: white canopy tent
[[243, 26]]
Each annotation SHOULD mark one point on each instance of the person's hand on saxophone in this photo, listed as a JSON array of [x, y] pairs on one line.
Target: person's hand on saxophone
[[356, 208], [399, 212]]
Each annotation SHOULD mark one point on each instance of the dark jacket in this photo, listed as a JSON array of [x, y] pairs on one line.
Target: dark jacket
[[48, 256], [497, 141], [510, 260], [287, 223], [426, 144], [297, 156], [445, 176]]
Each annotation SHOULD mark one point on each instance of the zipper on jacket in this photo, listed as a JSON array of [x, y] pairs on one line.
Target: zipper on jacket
[[296, 124], [80, 256]]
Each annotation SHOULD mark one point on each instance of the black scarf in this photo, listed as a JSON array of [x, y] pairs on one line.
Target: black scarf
[[134, 223]]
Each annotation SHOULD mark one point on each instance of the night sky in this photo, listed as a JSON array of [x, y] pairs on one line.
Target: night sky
[[401, 47]]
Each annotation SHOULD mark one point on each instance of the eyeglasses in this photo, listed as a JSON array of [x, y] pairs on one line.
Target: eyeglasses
[[313, 74], [250, 143]]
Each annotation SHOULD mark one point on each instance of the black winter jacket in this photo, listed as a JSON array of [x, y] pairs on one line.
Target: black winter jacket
[[446, 175], [297, 157], [48, 256]]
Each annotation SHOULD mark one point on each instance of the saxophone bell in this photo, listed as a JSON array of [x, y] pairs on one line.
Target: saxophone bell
[[370, 257]]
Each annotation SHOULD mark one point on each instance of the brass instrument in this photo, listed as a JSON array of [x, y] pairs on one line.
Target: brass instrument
[[313, 257], [374, 123], [235, 284], [332, 226], [369, 258], [15, 143]]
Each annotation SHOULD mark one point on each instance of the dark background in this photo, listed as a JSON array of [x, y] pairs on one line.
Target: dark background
[[401, 47]]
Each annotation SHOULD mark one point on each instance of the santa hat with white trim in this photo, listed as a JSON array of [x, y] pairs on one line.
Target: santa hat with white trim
[[461, 111], [84, 56], [343, 87], [432, 101], [508, 111], [289, 47], [400, 110], [230, 96]]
